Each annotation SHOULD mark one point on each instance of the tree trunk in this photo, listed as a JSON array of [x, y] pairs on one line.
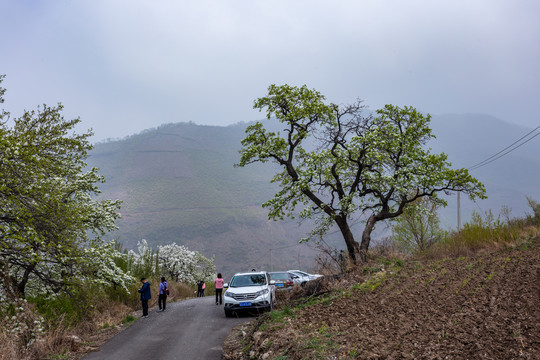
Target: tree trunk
[[366, 237], [21, 286], [352, 245]]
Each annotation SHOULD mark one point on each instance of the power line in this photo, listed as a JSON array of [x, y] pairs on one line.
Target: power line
[[506, 153], [502, 153], [285, 247]]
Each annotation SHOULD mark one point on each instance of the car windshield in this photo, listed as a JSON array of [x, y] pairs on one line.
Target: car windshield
[[280, 276], [248, 280]]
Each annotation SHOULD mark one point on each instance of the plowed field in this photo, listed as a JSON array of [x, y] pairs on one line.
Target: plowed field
[[485, 306]]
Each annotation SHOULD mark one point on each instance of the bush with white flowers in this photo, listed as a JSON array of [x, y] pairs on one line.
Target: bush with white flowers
[[174, 261]]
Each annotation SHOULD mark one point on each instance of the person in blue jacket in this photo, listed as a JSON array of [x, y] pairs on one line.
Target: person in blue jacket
[[145, 296], [162, 294]]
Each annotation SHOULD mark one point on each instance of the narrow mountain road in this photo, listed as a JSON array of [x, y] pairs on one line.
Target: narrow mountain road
[[188, 330]]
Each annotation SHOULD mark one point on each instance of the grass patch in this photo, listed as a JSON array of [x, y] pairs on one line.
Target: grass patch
[[128, 319], [62, 356], [280, 315], [373, 282]]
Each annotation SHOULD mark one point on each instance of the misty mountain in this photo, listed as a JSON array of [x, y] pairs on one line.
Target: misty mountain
[[178, 184], [469, 139]]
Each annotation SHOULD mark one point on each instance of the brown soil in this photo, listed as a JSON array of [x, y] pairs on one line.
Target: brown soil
[[486, 306]]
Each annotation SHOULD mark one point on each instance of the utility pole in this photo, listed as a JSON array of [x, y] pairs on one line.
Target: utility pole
[[458, 211], [271, 265]]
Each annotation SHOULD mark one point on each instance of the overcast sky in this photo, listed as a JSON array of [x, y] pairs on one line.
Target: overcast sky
[[125, 66]]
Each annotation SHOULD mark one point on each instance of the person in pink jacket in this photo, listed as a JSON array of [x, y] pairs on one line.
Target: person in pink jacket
[[219, 289]]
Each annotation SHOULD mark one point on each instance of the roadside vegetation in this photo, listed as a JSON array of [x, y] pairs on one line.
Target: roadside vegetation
[[61, 279], [68, 324], [467, 294]]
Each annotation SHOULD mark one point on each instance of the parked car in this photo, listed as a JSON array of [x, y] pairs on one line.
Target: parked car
[[283, 279], [250, 292], [303, 277]]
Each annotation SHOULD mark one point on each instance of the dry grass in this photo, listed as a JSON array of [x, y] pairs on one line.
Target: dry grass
[[182, 291], [10, 348], [63, 340], [475, 238]]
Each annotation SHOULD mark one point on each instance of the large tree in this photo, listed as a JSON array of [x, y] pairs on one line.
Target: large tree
[[50, 223], [338, 162]]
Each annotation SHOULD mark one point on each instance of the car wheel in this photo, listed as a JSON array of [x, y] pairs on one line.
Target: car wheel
[[303, 284]]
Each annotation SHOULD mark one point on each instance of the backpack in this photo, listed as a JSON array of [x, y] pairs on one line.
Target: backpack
[[165, 290]]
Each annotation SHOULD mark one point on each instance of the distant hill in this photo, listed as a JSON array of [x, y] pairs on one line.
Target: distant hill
[[469, 139], [178, 184]]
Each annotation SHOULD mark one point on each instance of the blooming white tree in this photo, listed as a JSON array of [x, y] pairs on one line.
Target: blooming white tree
[[175, 261], [49, 220], [185, 265], [103, 267]]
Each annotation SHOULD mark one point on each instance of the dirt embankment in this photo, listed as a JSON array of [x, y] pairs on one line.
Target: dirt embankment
[[481, 307]]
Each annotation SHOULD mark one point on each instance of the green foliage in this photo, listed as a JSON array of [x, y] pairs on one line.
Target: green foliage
[[337, 162], [418, 227], [69, 309], [128, 319], [51, 227], [481, 231], [280, 315], [373, 282], [535, 207], [61, 356]]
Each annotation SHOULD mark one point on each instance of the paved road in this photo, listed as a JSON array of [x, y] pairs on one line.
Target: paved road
[[189, 330]]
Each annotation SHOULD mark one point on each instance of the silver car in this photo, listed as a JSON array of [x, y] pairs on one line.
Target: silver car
[[303, 277], [249, 292]]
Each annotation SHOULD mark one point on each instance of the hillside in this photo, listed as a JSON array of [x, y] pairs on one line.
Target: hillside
[[178, 184], [484, 306]]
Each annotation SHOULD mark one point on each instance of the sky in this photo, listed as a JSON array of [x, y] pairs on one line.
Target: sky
[[125, 66]]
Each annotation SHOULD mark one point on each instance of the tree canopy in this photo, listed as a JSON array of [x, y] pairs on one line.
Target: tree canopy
[[338, 161], [174, 261], [51, 225]]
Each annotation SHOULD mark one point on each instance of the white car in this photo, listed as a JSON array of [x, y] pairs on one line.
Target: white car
[[303, 277], [249, 291]]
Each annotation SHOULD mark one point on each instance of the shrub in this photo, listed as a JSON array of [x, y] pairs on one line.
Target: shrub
[[418, 228]]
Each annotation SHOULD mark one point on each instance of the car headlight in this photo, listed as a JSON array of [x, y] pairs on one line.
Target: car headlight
[[262, 292], [228, 294]]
